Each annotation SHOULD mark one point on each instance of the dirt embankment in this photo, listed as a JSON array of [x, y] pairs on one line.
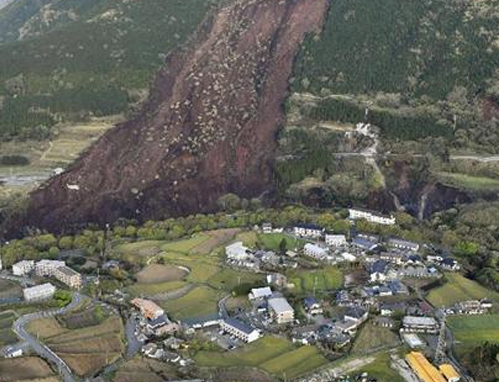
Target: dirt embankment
[[208, 128]]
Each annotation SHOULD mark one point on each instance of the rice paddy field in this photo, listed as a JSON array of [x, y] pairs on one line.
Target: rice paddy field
[[371, 337], [472, 331], [86, 349], [458, 288], [277, 356], [26, 369]]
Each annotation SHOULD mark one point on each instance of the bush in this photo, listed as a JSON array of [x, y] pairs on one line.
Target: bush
[[14, 160]]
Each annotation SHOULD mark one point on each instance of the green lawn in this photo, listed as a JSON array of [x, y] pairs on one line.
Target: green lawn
[[229, 278], [249, 238], [472, 331], [320, 280], [271, 241], [458, 288], [199, 302], [202, 267], [275, 355], [371, 337]]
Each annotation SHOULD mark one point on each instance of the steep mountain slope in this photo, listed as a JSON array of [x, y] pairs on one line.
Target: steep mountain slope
[[70, 59], [208, 129]]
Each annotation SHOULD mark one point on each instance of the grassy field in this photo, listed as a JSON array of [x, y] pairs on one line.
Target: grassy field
[[24, 369], [7, 336], [381, 369], [272, 241], [458, 288], [141, 248], [199, 302], [186, 245], [372, 337], [275, 355], [249, 238], [216, 239], [468, 182], [86, 349], [157, 273], [472, 331], [327, 278]]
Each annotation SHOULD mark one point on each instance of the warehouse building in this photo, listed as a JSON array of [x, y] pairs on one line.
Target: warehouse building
[[423, 368]]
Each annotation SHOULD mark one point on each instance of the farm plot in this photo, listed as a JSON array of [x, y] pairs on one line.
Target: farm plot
[[144, 370], [24, 369], [306, 281], [216, 239], [472, 331], [458, 288], [87, 349], [275, 355], [143, 248], [186, 245], [9, 289], [381, 369], [7, 336]]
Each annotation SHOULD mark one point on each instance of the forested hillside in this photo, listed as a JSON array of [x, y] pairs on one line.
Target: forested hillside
[[403, 46], [72, 59]]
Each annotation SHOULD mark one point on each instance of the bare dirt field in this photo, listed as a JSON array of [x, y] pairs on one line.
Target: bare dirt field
[[144, 370], [24, 368], [157, 273]]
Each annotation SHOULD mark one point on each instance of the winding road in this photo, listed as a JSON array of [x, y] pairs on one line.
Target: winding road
[[42, 350]]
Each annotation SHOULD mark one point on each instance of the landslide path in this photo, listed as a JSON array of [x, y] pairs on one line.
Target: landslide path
[[207, 129]]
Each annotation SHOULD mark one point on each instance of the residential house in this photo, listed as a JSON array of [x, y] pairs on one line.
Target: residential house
[[267, 228], [364, 244], [384, 322], [357, 315], [450, 264], [378, 271], [312, 306], [260, 293], [280, 310]]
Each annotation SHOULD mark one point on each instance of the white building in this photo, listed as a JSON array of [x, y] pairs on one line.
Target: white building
[[259, 293], [240, 330], [267, 228], [315, 251], [280, 310], [370, 216], [23, 268], [335, 240], [308, 230], [47, 268], [237, 251], [39, 292]]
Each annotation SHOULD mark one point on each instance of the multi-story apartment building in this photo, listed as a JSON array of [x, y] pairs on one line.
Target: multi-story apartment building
[[39, 292], [23, 268], [370, 216]]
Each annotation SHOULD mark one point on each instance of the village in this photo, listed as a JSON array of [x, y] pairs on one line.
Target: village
[[378, 289]]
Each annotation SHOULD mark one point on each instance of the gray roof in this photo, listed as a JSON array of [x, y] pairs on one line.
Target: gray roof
[[239, 325]]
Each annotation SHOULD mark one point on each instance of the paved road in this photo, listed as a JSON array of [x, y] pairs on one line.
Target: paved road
[[42, 350], [133, 344]]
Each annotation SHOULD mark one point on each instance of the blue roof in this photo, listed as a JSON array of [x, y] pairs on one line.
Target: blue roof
[[364, 243], [379, 266], [310, 301]]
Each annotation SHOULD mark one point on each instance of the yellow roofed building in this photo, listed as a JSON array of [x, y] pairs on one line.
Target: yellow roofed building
[[423, 368], [449, 372]]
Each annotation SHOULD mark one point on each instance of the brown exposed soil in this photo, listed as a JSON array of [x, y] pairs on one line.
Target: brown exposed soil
[[208, 128]]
